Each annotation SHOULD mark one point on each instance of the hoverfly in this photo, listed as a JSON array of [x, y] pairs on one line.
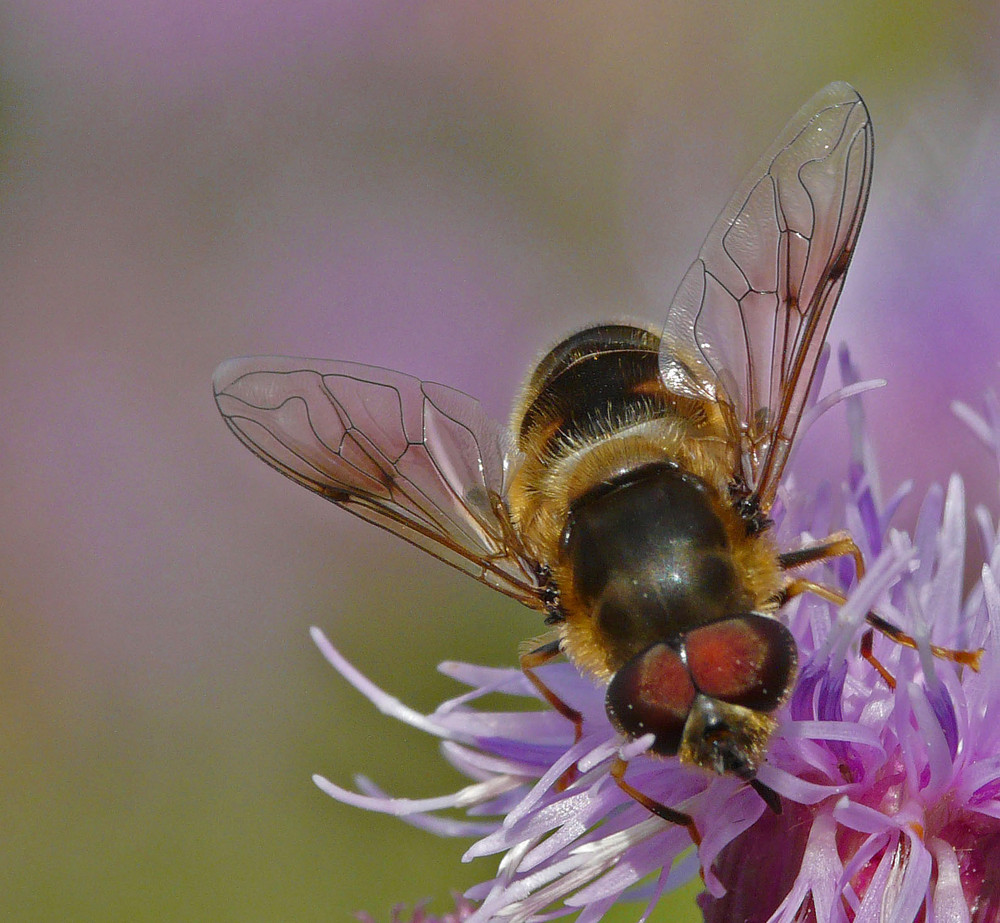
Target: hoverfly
[[629, 498]]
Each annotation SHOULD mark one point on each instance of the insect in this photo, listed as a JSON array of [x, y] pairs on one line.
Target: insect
[[629, 498]]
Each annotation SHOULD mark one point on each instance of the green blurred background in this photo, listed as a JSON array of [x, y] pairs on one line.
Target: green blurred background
[[444, 188]]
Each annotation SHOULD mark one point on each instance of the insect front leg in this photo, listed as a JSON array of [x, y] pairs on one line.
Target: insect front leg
[[838, 545], [530, 661], [660, 810]]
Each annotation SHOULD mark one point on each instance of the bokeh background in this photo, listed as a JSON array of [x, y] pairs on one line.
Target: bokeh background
[[444, 188]]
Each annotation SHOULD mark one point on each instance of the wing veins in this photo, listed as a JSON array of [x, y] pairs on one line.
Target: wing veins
[[784, 247], [377, 470]]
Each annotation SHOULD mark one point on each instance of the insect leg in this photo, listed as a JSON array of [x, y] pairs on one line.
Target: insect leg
[[798, 585], [966, 658], [532, 659], [836, 545], [767, 794], [866, 651], [833, 546], [660, 810]]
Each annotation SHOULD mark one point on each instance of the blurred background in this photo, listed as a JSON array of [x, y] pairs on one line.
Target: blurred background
[[445, 188]]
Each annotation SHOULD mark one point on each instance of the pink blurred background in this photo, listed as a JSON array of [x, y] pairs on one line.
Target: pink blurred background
[[444, 188]]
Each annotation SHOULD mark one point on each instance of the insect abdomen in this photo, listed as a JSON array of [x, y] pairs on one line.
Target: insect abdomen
[[603, 373]]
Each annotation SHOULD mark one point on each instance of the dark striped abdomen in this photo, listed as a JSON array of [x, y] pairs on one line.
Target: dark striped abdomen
[[606, 373]]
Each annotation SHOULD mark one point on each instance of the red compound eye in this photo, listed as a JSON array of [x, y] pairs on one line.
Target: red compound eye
[[748, 660], [652, 694]]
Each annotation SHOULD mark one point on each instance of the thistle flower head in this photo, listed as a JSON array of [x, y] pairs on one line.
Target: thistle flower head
[[890, 796]]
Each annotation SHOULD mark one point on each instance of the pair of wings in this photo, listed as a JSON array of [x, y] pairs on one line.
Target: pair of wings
[[744, 330]]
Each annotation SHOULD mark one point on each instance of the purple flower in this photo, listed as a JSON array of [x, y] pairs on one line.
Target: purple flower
[[891, 796]]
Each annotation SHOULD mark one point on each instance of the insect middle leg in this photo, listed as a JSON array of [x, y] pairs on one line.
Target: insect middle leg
[[838, 545]]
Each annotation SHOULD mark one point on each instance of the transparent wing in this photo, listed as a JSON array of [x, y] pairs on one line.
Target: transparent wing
[[748, 322], [416, 458]]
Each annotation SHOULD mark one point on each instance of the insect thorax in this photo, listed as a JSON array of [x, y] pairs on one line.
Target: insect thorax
[[594, 409]]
